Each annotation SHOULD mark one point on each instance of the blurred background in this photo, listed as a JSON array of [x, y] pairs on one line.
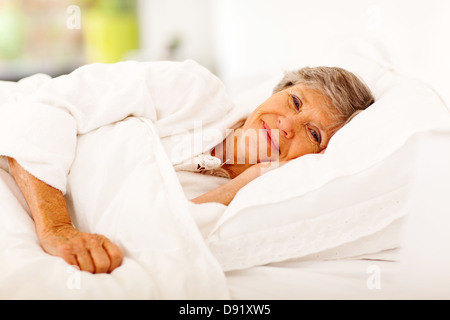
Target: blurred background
[[238, 40]]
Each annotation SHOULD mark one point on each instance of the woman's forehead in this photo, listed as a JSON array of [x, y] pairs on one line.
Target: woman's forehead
[[309, 95]]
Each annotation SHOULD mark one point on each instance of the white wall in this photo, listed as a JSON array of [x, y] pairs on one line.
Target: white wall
[[161, 20], [250, 39], [252, 36]]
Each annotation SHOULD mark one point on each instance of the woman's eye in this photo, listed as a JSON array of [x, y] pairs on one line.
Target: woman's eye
[[297, 102], [315, 135]]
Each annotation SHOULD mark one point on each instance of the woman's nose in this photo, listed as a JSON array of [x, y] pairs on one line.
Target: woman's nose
[[286, 127]]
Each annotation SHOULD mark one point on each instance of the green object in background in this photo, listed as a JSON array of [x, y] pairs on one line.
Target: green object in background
[[110, 31], [12, 32]]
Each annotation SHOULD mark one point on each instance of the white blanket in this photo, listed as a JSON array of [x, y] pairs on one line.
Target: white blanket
[[107, 136]]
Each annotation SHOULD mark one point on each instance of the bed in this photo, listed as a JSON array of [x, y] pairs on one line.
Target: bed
[[349, 230]]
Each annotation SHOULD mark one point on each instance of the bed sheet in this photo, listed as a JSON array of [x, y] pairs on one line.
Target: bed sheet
[[303, 280], [205, 215]]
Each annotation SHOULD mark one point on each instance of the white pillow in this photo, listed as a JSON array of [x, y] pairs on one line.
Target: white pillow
[[347, 202]]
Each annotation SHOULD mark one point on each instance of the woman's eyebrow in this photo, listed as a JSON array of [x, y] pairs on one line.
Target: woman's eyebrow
[[324, 135], [323, 131], [301, 94]]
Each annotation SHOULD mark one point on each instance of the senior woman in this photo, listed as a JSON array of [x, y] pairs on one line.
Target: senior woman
[[307, 107]]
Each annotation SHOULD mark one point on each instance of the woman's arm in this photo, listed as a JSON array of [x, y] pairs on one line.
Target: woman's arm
[[226, 192], [90, 252]]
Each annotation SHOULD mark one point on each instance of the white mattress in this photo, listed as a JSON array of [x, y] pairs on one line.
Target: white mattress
[[295, 280]]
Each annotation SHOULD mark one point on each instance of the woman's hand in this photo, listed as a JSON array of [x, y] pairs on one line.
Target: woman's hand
[[90, 252], [226, 192], [263, 167], [48, 207]]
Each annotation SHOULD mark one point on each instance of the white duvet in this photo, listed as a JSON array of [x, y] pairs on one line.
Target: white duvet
[[108, 136]]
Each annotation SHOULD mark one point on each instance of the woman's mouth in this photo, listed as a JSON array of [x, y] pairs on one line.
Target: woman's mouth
[[270, 137]]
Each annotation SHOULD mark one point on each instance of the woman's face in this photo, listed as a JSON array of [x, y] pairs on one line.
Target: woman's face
[[289, 124]]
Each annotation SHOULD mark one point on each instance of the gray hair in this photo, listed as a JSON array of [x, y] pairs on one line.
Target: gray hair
[[347, 94]]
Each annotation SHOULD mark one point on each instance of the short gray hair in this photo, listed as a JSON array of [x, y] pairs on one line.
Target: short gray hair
[[347, 93]]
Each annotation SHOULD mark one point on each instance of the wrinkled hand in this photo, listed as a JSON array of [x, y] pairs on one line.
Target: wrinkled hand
[[90, 252]]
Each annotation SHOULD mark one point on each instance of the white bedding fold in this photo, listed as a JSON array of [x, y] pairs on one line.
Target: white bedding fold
[[108, 136], [182, 99]]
